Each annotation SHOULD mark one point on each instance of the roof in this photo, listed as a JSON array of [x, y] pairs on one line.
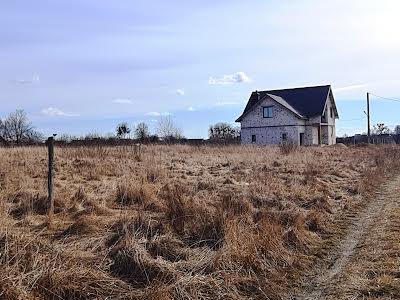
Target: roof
[[282, 102], [306, 101]]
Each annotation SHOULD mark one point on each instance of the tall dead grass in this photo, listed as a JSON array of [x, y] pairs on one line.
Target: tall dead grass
[[184, 222]]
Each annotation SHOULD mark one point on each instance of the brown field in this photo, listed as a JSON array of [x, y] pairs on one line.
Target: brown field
[[180, 222]]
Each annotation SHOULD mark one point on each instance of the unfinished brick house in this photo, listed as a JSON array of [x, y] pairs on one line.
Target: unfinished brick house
[[303, 116]]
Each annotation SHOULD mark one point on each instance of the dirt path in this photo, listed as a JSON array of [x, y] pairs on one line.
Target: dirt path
[[367, 264]]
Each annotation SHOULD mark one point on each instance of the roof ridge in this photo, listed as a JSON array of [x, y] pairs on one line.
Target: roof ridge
[[296, 88]]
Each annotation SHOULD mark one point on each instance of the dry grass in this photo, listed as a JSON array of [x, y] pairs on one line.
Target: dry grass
[[182, 222]]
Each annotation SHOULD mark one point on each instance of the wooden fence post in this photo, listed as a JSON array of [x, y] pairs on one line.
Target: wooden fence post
[[50, 146]]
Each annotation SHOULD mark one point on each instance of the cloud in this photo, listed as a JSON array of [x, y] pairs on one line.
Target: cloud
[[191, 108], [35, 79], [55, 112], [180, 92], [221, 103], [157, 114], [237, 77], [122, 101], [350, 87]]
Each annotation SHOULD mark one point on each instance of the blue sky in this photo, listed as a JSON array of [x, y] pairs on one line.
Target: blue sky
[[84, 66]]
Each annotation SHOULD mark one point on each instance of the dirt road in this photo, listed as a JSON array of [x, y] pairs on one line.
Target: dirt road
[[366, 265]]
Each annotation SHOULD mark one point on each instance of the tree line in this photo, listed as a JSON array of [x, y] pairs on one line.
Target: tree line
[[168, 131], [16, 128]]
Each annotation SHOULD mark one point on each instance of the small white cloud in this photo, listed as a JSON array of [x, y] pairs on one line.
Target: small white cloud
[[153, 114], [55, 112], [180, 92], [221, 103], [35, 79], [191, 108], [122, 101], [350, 87], [157, 114], [237, 77]]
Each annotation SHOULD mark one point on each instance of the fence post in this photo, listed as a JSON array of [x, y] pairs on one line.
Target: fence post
[[50, 147]]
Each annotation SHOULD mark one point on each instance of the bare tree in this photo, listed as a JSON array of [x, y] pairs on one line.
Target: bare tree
[[380, 129], [223, 131], [167, 130], [397, 130], [396, 135], [16, 128], [34, 137], [142, 131], [123, 130], [2, 128]]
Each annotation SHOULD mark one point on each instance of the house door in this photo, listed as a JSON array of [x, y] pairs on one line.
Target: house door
[[301, 139]]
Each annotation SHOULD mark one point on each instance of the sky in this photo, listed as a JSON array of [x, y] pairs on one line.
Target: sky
[[84, 66]]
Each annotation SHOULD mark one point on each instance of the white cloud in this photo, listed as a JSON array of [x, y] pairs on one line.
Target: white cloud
[[350, 87], [35, 79], [191, 108], [158, 114], [55, 112], [122, 101], [180, 92], [221, 103], [237, 77]]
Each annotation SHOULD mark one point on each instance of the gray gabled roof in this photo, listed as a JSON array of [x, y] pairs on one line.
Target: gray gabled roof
[[306, 102]]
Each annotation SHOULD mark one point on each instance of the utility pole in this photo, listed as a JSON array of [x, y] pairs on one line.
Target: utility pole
[[369, 120]]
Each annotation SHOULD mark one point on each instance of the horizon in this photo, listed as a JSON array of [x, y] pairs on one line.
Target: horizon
[[78, 67]]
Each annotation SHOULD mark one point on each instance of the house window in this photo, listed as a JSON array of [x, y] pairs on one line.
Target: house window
[[331, 112], [253, 138], [284, 137], [267, 112]]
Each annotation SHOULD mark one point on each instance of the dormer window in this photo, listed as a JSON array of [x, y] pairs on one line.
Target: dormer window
[[267, 112]]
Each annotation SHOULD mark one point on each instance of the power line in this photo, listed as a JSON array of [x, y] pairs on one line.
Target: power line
[[386, 98]]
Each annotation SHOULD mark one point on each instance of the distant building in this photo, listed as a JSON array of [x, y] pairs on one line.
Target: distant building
[[303, 116]]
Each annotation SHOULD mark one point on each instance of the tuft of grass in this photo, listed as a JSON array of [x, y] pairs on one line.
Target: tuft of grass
[[288, 147], [133, 192], [176, 212], [28, 203]]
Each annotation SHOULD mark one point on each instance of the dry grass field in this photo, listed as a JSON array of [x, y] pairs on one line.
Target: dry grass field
[[180, 222]]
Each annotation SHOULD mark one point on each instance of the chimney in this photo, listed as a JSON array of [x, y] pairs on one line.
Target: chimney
[[258, 95]]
